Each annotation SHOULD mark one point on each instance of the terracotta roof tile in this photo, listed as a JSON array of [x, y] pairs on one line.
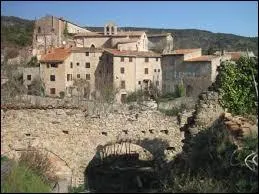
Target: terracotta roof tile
[[56, 55], [203, 58], [133, 53]]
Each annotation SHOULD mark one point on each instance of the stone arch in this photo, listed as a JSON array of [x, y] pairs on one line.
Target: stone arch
[[122, 166], [92, 48]]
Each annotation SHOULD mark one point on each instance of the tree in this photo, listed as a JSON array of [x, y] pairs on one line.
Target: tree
[[236, 85]]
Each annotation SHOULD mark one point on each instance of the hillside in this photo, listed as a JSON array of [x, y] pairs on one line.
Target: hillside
[[18, 32]]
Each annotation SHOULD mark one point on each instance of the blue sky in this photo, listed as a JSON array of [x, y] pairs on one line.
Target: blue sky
[[236, 17]]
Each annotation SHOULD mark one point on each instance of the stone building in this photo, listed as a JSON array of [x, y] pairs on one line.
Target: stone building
[[188, 67], [49, 32], [30, 74], [70, 71], [161, 43], [112, 38], [130, 71]]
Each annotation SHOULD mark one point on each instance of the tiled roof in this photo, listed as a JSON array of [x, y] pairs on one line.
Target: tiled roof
[[56, 55], [203, 58], [133, 53], [88, 34], [182, 51], [128, 41], [234, 55]]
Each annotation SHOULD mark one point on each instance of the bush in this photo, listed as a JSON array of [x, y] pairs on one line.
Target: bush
[[180, 90], [62, 94], [39, 164], [236, 86], [23, 180], [174, 111], [135, 96], [80, 188]]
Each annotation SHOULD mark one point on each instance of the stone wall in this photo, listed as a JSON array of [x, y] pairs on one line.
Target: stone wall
[[74, 134]]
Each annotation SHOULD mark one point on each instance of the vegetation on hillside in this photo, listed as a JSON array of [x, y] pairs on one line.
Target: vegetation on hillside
[[16, 31]]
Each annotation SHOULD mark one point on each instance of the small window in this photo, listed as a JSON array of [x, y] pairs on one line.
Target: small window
[[139, 82], [54, 65], [87, 76], [28, 77], [157, 59], [71, 64], [122, 59], [52, 90], [146, 70], [146, 59], [122, 70], [123, 85], [154, 70], [87, 54], [47, 65], [87, 65], [52, 78], [77, 64], [158, 70], [69, 77], [78, 75], [130, 59]]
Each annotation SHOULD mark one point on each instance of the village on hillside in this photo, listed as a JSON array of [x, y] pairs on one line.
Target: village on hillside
[[73, 61]]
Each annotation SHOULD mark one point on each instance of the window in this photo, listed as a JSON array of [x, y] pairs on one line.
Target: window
[[123, 98], [157, 83], [154, 70], [47, 65], [123, 85], [122, 59], [77, 64], [78, 75], [158, 70], [87, 65], [146, 59], [139, 82], [52, 90], [28, 77], [146, 70], [69, 77], [122, 70], [87, 76], [71, 64], [130, 59], [157, 59], [52, 78], [54, 65], [87, 54]]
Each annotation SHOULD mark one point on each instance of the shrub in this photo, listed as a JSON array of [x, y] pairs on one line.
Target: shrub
[[23, 180], [78, 189], [180, 90], [236, 86], [38, 163], [62, 94], [135, 96]]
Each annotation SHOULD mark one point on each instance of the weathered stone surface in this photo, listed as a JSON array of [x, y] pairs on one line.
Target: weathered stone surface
[[74, 138]]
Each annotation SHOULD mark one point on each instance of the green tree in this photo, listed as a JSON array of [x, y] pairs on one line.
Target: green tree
[[236, 85]]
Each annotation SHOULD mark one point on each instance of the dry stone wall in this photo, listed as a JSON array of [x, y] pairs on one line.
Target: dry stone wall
[[74, 134]]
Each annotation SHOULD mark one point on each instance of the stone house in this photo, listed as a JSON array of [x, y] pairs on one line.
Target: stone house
[[30, 74], [49, 32], [188, 67], [70, 71], [161, 43], [111, 38], [130, 71]]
